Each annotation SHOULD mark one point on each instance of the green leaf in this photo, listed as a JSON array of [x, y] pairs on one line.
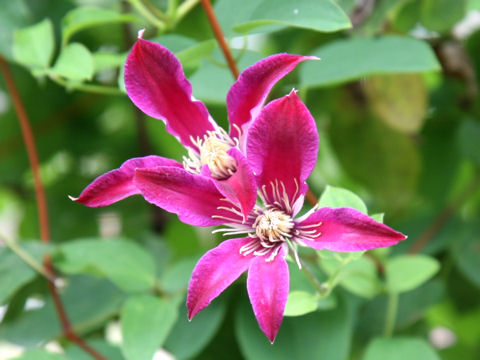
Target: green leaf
[[196, 333], [39, 354], [14, 15], [300, 303], [319, 15], [14, 272], [176, 277], [33, 46], [84, 17], [111, 352], [466, 251], [403, 110], [350, 59], [406, 272], [146, 322], [318, 335], [75, 63], [336, 197], [468, 136], [40, 325], [125, 263], [442, 15], [107, 60], [400, 348], [359, 276]]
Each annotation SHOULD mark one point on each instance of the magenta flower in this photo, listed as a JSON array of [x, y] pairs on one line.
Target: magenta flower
[[215, 164], [282, 145]]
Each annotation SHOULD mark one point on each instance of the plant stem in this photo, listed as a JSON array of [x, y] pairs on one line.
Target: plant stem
[[391, 316], [184, 8], [157, 12], [313, 279], [142, 9], [97, 89], [41, 207], [212, 19]]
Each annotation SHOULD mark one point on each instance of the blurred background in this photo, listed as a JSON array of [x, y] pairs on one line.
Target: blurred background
[[396, 101]]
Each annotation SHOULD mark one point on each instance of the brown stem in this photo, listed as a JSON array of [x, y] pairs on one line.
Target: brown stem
[[444, 215], [41, 206], [212, 19]]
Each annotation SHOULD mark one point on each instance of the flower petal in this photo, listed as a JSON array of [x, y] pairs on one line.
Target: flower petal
[[156, 84], [267, 285], [194, 198], [118, 184], [282, 146], [240, 187], [214, 272], [346, 229], [247, 95]]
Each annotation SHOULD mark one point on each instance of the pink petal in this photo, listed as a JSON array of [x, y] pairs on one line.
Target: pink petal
[[247, 95], [156, 84], [214, 272], [240, 188], [346, 229], [267, 285], [282, 146], [118, 184], [194, 198]]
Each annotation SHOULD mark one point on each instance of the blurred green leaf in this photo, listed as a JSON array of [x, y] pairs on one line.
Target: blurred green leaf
[[300, 303], [84, 17], [466, 251], [125, 263], [406, 272], [33, 46], [403, 110], [75, 63], [196, 333], [14, 272], [40, 325], [14, 15], [40, 354], [468, 139], [350, 59], [442, 15], [107, 60], [111, 352], [318, 335], [400, 348], [146, 322], [336, 197], [318, 15], [358, 276], [176, 277]]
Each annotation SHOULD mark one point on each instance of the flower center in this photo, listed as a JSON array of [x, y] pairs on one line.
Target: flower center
[[273, 226], [212, 152]]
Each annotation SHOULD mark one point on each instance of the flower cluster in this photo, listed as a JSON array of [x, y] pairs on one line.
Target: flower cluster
[[269, 151]]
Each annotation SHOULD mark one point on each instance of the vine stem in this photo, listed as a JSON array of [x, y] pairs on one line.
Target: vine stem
[[42, 208], [392, 308], [212, 19]]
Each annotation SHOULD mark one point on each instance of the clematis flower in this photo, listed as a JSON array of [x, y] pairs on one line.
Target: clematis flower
[[156, 84], [282, 145]]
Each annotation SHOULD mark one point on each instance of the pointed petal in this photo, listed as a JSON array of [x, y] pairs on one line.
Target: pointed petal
[[346, 229], [240, 187], [282, 145], [247, 95], [156, 84], [214, 272], [118, 184], [267, 285], [194, 198]]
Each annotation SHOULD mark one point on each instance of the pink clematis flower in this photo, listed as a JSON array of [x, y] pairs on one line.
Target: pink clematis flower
[[282, 146], [215, 164]]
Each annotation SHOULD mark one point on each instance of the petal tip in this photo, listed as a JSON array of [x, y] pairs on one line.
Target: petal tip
[[72, 198], [140, 33]]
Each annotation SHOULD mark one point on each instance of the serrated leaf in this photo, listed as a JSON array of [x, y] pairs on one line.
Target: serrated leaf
[[300, 303], [34, 45], [125, 263], [84, 17], [350, 59], [400, 348], [402, 110], [406, 272], [336, 197], [75, 62], [146, 322], [319, 15]]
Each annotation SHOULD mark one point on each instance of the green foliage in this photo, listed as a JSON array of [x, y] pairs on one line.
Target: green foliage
[[405, 273], [400, 348], [338, 197], [74, 63]]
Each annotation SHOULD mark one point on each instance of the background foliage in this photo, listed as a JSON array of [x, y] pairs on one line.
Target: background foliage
[[396, 102]]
